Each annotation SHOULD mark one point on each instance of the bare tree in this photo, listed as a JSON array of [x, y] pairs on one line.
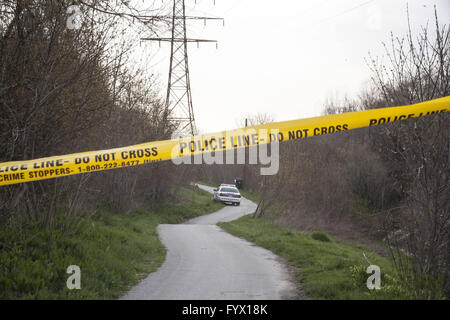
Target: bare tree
[[65, 90], [418, 153]]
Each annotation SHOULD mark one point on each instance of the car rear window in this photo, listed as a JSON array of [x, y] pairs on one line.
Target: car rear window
[[234, 190]]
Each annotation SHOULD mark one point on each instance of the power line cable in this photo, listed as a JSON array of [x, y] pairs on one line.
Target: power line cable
[[342, 13]]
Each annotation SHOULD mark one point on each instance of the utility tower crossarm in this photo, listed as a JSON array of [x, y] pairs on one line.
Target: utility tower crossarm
[[165, 18], [177, 40]]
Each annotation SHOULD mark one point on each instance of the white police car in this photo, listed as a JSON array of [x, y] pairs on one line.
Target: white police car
[[228, 193]]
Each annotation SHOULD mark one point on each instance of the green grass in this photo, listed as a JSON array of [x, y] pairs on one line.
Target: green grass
[[325, 270], [209, 184], [253, 196], [114, 251]]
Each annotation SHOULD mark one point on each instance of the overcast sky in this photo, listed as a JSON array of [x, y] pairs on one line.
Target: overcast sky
[[285, 57]]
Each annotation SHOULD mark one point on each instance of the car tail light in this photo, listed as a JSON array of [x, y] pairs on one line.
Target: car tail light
[[238, 196], [221, 194]]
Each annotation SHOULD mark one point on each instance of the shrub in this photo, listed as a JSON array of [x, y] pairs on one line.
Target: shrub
[[320, 236]]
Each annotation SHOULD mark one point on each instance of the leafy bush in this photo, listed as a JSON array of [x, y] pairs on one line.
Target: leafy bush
[[320, 236], [391, 285], [358, 274]]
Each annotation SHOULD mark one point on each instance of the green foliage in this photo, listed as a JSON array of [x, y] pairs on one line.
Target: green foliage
[[114, 251], [253, 196], [358, 274], [325, 270], [391, 285], [320, 236]]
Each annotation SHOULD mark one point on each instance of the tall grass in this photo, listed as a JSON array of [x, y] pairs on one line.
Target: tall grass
[[113, 250]]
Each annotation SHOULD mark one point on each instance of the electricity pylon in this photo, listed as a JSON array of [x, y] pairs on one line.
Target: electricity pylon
[[178, 105]]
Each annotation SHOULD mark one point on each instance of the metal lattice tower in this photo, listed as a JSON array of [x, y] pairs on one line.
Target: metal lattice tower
[[178, 105]]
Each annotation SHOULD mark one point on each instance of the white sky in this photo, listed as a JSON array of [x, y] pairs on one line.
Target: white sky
[[285, 57]]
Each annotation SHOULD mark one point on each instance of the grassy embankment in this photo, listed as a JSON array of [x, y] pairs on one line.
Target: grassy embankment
[[114, 251], [326, 267]]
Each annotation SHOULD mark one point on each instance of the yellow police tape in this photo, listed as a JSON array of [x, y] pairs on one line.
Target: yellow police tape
[[60, 166]]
